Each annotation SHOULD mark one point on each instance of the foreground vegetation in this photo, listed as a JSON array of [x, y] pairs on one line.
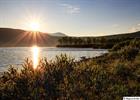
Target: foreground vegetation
[[109, 77]]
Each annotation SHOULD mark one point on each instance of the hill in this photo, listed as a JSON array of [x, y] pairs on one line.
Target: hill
[[126, 35], [102, 42], [17, 37], [58, 34]]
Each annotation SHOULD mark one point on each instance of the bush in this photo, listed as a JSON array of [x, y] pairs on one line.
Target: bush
[[126, 50], [120, 45], [128, 53], [65, 79]]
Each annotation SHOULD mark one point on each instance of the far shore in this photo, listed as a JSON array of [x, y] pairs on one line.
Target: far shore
[[58, 46]]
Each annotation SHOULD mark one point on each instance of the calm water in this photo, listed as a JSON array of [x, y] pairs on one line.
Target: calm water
[[17, 55]]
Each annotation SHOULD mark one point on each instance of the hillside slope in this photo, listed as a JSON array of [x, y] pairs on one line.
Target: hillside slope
[[124, 35], [17, 37]]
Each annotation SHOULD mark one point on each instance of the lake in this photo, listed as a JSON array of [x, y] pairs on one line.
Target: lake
[[17, 55]]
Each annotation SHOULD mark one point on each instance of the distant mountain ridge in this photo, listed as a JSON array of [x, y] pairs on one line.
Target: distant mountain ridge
[[130, 35], [59, 34], [18, 37]]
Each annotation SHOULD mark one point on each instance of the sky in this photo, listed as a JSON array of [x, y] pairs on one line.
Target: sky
[[73, 17]]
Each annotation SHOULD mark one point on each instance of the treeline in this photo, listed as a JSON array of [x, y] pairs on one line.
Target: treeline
[[108, 77], [91, 42]]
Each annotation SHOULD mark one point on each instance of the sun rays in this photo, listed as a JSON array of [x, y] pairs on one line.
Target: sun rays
[[33, 37]]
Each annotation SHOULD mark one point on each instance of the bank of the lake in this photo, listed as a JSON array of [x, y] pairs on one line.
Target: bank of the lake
[[108, 77]]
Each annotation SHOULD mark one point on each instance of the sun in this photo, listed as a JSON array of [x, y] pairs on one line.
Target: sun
[[34, 26]]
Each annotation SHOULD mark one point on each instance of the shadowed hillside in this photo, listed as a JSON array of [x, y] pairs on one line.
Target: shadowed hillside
[[17, 37], [105, 42], [126, 35]]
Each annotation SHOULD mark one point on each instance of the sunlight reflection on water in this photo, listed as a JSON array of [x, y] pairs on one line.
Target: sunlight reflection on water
[[17, 55], [35, 51]]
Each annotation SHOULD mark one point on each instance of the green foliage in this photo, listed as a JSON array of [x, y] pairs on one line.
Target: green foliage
[[129, 53], [65, 79], [109, 77], [126, 50], [120, 45], [133, 43], [94, 42]]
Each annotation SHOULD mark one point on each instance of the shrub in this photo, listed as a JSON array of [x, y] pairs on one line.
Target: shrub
[[128, 53], [65, 79], [120, 45]]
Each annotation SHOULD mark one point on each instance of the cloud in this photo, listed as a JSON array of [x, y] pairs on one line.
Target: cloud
[[115, 25], [135, 28], [138, 24], [71, 9]]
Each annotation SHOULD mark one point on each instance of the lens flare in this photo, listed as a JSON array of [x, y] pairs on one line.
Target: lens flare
[[35, 51], [34, 26]]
